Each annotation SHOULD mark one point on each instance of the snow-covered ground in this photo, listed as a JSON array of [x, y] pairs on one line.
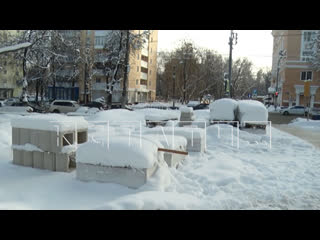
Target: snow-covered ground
[[312, 125], [244, 174]]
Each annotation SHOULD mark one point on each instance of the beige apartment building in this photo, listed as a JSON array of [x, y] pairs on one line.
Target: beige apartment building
[[10, 72], [142, 71], [292, 51]]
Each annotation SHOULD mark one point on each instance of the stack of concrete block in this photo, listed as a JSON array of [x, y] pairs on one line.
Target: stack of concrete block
[[130, 177], [186, 117], [45, 149]]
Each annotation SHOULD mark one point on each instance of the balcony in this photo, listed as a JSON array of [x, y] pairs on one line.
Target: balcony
[[144, 76], [145, 52], [98, 86], [144, 64]]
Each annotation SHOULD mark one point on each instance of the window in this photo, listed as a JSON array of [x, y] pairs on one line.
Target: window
[[306, 76], [150, 71], [149, 83], [138, 57], [151, 50], [137, 68], [98, 80], [137, 82], [150, 61], [4, 71], [143, 82]]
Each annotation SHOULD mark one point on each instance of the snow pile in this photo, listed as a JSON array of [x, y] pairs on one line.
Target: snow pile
[[27, 147], [253, 112], [223, 109], [158, 114], [50, 122], [304, 123], [15, 109], [83, 111], [121, 151], [119, 115], [169, 142]]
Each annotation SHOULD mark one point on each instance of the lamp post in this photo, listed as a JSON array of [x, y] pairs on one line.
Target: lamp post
[[174, 85], [281, 55], [231, 38]]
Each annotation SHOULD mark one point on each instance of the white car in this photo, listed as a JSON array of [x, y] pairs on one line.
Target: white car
[[295, 110], [63, 106]]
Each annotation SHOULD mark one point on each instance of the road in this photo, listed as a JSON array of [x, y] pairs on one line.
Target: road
[[277, 118]]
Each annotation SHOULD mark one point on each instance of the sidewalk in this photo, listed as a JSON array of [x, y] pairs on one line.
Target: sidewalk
[[312, 137]]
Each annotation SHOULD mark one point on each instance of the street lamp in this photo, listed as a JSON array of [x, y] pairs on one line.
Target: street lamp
[[282, 54]]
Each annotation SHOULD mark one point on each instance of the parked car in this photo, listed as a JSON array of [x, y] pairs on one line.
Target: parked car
[[98, 105], [201, 106], [295, 110], [10, 101], [63, 106], [315, 113]]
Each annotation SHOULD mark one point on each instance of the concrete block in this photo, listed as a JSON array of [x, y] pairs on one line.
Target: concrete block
[[34, 138], [130, 177], [44, 140], [38, 160], [62, 162], [24, 136], [15, 136], [49, 161], [27, 158], [17, 157]]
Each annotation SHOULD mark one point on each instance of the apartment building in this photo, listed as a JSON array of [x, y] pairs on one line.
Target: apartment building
[[10, 72], [292, 52], [142, 71]]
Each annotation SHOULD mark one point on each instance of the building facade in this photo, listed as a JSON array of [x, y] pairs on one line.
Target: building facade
[[291, 67], [142, 70], [10, 71]]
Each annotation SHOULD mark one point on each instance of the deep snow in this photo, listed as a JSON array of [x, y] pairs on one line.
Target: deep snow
[[241, 174]]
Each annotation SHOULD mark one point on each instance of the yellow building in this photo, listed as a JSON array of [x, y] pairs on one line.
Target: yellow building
[[10, 72], [292, 51], [142, 71]]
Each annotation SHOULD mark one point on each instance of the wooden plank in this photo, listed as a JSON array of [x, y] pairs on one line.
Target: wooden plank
[[172, 151]]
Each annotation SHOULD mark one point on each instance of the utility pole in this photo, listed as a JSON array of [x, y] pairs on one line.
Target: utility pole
[[281, 55], [174, 86], [231, 38]]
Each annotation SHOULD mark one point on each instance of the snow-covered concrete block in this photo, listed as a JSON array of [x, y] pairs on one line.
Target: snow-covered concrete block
[[130, 177], [27, 158], [49, 161], [17, 157], [252, 112], [38, 160], [44, 140]]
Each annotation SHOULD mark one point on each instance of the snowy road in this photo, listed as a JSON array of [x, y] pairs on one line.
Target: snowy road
[[256, 175]]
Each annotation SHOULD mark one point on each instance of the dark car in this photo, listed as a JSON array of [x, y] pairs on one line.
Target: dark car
[[201, 106], [98, 105]]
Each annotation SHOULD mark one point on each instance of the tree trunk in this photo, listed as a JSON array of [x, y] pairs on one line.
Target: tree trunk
[[125, 79]]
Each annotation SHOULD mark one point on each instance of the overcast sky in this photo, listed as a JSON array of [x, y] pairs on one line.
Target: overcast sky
[[256, 45]]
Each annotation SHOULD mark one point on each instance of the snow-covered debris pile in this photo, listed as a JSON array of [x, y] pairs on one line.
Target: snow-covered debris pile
[[121, 151], [252, 112], [223, 110], [50, 122]]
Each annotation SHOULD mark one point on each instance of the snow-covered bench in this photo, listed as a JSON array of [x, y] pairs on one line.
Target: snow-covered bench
[[47, 141], [125, 160]]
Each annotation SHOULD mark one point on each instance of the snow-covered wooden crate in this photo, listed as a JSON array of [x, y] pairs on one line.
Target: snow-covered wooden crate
[[129, 161], [252, 114], [186, 116], [47, 141]]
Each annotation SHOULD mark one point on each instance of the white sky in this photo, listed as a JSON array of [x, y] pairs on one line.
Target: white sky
[[256, 45]]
